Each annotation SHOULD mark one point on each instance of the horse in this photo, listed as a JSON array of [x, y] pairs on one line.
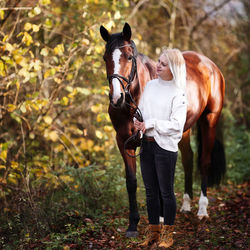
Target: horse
[[128, 72]]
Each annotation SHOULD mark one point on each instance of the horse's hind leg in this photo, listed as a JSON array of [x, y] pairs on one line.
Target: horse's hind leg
[[187, 162], [206, 140]]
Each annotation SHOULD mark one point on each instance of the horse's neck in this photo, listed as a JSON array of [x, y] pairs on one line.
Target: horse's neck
[[146, 71]]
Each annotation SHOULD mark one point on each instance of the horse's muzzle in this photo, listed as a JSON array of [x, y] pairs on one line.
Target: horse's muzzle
[[119, 102]]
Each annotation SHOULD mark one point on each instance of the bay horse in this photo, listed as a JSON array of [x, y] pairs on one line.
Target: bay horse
[[128, 72]]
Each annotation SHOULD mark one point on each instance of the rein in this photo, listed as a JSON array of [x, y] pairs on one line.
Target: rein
[[137, 114]]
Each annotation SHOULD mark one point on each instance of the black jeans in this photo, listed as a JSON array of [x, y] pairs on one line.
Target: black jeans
[[158, 169]]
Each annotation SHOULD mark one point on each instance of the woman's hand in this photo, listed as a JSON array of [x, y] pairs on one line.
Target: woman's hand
[[140, 126]]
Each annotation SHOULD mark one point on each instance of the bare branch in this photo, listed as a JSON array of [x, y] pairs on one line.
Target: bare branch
[[138, 5], [17, 8], [206, 16]]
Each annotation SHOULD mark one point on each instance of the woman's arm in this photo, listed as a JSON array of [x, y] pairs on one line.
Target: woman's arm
[[177, 118]]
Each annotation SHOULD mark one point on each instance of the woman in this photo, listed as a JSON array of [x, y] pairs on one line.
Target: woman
[[164, 106]]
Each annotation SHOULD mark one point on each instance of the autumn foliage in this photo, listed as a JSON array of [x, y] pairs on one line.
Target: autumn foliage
[[59, 163]]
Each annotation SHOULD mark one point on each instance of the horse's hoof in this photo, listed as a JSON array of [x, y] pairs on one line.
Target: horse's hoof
[[203, 217], [185, 211], [132, 234]]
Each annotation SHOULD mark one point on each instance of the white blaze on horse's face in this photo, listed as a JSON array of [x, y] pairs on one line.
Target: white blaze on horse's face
[[115, 82]]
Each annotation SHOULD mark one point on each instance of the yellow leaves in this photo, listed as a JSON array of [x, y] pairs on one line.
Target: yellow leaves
[[67, 179], [44, 2], [117, 15], [83, 91], [36, 64], [85, 42], [78, 63], [110, 25], [37, 10], [27, 38], [9, 47], [11, 107], [14, 165], [97, 64], [99, 49], [23, 108], [49, 72], [99, 134], [35, 28], [48, 23], [108, 128], [2, 68], [44, 52], [3, 155], [53, 136], [5, 38], [29, 26], [59, 49], [48, 119], [69, 77], [86, 144], [57, 80], [25, 73], [96, 108], [3, 151], [66, 248], [103, 117], [126, 3], [1, 14], [2, 167], [98, 148], [64, 101]]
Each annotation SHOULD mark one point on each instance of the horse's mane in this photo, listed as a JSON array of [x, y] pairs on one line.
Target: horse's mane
[[150, 64]]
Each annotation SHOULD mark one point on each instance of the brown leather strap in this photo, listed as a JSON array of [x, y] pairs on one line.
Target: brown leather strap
[[149, 138]]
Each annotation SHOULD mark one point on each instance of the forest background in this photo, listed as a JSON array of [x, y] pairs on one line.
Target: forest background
[[58, 155]]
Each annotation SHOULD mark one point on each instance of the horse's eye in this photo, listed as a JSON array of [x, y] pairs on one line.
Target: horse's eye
[[129, 58]]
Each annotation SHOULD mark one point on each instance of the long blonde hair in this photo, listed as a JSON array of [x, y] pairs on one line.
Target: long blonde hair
[[177, 66]]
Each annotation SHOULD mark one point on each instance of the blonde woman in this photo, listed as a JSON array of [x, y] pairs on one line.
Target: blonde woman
[[164, 106]]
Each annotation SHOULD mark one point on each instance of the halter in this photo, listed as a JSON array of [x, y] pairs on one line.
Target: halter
[[137, 114]]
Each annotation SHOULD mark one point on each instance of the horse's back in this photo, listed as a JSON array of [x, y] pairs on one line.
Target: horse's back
[[205, 86]]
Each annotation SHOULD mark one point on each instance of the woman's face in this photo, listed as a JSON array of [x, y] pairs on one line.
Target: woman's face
[[162, 68]]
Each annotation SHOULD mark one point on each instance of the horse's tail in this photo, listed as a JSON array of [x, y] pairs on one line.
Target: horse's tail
[[217, 168]]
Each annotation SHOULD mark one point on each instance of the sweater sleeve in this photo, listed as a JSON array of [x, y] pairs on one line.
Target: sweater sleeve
[[177, 118]]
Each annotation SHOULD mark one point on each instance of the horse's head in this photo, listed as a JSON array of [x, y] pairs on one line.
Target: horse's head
[[120, 58]]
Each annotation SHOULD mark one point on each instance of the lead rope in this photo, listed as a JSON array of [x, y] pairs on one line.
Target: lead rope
[[138, 135], [135, 137]]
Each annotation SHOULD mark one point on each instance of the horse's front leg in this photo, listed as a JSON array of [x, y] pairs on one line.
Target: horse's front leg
[[131, 183]]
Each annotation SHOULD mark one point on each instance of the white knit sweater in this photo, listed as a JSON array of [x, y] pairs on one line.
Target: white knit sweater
[[164, 109]]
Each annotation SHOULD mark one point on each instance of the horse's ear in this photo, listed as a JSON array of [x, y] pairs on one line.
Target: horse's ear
[[104, 33], [126, 33]]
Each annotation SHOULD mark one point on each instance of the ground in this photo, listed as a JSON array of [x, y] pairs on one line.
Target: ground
[[226, 228]]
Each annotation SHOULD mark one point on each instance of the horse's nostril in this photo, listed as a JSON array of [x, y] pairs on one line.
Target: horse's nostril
[[120, 100], [110, 97]]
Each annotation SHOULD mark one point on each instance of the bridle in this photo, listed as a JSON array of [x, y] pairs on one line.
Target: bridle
[[133, 73], [129, 80]]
